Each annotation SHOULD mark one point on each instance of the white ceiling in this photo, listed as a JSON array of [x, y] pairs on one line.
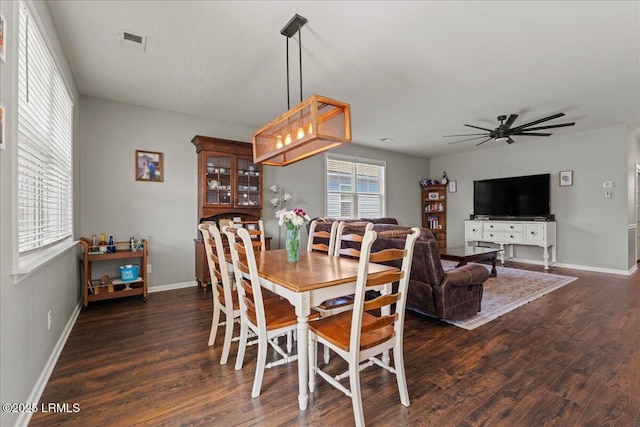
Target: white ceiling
[[412, 71]]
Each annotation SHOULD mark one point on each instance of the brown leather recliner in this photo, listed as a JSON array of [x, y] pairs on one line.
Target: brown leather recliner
[[450, 295]]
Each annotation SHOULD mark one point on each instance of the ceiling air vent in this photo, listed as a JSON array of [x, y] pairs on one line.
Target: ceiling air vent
[[133, 41]]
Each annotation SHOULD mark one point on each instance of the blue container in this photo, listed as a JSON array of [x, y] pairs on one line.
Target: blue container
[[129, 272]]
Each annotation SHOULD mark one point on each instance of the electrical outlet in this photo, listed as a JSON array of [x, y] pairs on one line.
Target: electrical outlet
[[607, 184], [148, 268], [49, 320]]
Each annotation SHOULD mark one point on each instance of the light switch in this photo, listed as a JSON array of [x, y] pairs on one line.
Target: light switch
[[607, 184]]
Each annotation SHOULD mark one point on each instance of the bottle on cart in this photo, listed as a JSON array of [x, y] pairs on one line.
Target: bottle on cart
[[102, 245], [112, 247]]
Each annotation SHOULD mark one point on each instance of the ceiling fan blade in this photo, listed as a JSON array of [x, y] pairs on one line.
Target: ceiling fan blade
[[512, 118], [483, 141], [561, 125], [510, 141], [477, 127], [532, 133], [467, 134], [470, 139], [555, 116]]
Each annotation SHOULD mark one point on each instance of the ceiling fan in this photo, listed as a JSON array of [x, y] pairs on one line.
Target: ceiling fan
[[504, 132]]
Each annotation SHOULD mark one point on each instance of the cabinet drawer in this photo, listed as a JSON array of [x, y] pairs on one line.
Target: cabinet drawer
[[502, 236], [534, 233], [502, 226], [473, 231]]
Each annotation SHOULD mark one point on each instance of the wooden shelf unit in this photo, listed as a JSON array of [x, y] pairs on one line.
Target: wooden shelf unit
[[229, 186], [434, 212], [94, 290]]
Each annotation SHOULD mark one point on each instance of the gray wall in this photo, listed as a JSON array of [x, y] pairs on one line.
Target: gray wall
[[305, 180], [591, 230], [166, 213], [25, 342]]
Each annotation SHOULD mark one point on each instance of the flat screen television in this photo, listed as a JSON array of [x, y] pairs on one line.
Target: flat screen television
[[515, 197]]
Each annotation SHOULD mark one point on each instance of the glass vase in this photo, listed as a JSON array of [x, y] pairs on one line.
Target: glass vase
[[293, 244]]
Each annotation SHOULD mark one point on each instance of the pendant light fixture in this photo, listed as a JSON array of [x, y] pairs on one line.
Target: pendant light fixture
[[314, 125]]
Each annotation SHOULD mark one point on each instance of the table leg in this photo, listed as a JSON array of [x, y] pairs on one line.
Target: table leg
[[494, 272], [303, 362]]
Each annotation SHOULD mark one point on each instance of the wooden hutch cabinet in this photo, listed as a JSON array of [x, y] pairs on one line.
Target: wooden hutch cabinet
[[229, 186], [434, 212]]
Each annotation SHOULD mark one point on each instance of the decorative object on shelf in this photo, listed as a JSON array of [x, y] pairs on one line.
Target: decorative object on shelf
[[444, 179], [311, 127], [566, 178], [453, 186], [149, 166], [434, 196], [292, 219]]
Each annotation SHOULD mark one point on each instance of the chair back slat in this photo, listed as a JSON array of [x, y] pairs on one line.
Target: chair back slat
[[327, 238], [349, 238], [379, 323], [381, 301], [255, 228], [386, 255], [383, 278]]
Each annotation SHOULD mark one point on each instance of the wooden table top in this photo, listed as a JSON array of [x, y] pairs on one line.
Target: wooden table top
[[467, 251], [314, 270]]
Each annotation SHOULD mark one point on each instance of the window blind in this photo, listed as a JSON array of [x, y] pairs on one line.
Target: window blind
[[45, 117], [355, 189]]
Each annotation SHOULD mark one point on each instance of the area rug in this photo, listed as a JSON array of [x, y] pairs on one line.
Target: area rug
[[512, 288]]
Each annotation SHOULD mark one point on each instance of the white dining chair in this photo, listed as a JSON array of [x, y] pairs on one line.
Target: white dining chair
[[359, 336], [225, 300], [267, 319]]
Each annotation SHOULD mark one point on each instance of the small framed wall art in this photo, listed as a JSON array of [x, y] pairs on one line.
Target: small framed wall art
[[149, 166], [3, 44], [453, 186], [566, 178]]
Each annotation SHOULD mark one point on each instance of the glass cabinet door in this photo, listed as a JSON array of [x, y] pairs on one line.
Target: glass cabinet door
[[248, 183], [218, 185]]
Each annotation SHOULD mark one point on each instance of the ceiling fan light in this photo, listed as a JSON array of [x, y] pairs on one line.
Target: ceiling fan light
[[502, 139]]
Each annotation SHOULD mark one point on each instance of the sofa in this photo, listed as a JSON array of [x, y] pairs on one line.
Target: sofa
[[443, 295]]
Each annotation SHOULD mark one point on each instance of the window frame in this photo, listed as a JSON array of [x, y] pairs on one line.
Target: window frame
[[27, 262], [355, 160]]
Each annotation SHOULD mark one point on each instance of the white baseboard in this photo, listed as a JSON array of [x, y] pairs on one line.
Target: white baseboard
[[172, 286], [36, 393], [577, 267]]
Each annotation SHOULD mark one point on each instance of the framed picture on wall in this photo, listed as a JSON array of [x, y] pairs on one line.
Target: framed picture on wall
[[3, 44], [149, 166], [2, 126], [453, 187], [566, 178]]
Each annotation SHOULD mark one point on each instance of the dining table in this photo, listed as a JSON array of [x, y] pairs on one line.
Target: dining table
[[315, 278]]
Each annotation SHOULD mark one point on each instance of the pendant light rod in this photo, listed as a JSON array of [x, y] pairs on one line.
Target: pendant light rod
[[293, 26]]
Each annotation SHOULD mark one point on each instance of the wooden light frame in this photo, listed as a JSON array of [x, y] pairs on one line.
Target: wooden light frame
[[324, 123]]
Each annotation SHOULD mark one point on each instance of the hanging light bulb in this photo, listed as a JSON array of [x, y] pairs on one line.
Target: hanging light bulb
[[279, 142], [287, 139], [300, 133]]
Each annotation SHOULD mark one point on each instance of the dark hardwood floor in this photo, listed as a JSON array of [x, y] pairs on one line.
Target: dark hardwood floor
[[570, 358]]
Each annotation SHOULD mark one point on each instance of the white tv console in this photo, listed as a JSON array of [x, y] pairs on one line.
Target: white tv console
[[530, 233]]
